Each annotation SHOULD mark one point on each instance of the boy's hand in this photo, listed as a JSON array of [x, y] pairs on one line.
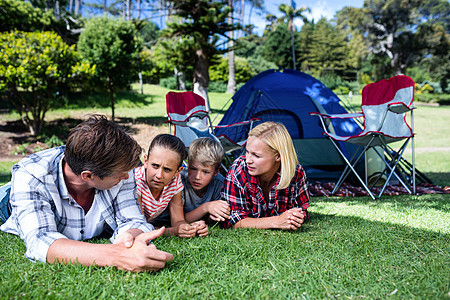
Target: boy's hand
[[184, 230], [219, 210], [202, 228]]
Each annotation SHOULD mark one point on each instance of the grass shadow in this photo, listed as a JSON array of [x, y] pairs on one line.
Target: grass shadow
[[153, 121], [101, 99], [439, 202], [5, 177], [439, 178]]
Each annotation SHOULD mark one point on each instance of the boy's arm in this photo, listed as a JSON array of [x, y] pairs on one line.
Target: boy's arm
[[198, 213], [219, 210]]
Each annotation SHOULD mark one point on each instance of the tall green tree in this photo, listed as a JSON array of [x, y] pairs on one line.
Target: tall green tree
[[204, 21], [113, 46], [34, 68], [277, 47], [290, 13], [323, 48]]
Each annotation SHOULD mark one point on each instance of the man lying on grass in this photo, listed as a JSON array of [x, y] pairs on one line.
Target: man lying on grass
[[267, 187], [62, 196]]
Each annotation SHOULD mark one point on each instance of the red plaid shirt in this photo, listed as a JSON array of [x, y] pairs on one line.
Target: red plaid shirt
[[245, 196]]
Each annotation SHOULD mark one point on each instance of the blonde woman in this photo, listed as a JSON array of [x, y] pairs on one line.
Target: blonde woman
[[266, 188]]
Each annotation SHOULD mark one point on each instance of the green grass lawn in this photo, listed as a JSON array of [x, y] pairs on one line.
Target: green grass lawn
[[351, 248], [395, 247]]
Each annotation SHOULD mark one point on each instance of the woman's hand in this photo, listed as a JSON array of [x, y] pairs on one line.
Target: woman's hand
[[219, 210], [291, 219]]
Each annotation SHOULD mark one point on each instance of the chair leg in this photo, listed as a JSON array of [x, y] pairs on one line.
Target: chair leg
[[394, 161], [341, 179]]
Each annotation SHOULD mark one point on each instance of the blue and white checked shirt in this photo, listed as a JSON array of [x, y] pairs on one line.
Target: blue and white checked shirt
[[43, 211]]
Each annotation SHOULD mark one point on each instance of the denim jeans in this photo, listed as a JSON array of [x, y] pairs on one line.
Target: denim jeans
[[5, 207]]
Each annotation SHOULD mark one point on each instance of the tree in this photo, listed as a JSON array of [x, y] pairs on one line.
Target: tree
[[204, 22], [113, 46], [399, 34], [277, 47], [323, 48], [290, 14], [219, 72], [21, 15], [34, 67]]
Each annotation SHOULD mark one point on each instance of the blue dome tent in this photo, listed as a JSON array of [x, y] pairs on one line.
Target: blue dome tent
[[288, 96]]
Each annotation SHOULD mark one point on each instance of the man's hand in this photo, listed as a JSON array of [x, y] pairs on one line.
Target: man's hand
[[142, 256], [291, 219], [202, 228], [219, 210], [127, 237]]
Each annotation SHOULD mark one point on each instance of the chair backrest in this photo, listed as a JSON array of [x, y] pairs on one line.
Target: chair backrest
[[183, 105], [187, 112], [378, 96]]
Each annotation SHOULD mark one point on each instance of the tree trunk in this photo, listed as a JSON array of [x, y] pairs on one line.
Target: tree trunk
[[201, 76], [141, 83], [231, 86], [293, 50], [182, 80], [57, 11], [241, 17], [77, 7], [139, 9], [111, 96]]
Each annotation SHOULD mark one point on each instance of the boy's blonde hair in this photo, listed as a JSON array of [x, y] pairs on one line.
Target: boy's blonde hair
[[206, 151], [276, 136]]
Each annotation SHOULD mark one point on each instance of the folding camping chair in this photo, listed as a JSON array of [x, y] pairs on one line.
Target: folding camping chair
[[384, 107], [186, 112]]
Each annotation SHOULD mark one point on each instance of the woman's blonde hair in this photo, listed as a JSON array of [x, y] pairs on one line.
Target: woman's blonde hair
[[276, 136]]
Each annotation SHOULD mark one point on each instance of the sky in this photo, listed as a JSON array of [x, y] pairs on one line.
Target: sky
[[319, 8]]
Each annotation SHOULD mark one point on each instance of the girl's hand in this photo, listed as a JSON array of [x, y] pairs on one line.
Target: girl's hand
[[219, 210], [202, 228], [184, 230]]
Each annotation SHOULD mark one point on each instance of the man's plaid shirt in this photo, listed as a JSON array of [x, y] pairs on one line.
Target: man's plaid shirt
[[43, 210]]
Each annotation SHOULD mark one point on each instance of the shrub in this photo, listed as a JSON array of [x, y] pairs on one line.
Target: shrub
[[34, 68], [169, 83], [217, 87]]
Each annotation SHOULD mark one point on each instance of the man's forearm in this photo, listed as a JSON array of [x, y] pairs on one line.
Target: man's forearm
[[67, 251]]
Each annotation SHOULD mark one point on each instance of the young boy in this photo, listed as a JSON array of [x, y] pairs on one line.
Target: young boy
[[203, 183]]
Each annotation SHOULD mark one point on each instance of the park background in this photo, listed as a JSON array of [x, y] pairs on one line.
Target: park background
[[62, 60]]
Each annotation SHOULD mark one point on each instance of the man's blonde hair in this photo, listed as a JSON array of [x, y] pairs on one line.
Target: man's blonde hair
[[206, 151], [276, 136]]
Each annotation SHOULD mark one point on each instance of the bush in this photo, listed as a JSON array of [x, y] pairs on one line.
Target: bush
[[169, 83], [34, 68], [217, 87], [442, 99]]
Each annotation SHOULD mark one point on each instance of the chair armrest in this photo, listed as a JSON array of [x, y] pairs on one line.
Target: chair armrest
[[238, 123], [399, 108], [337, 116]]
